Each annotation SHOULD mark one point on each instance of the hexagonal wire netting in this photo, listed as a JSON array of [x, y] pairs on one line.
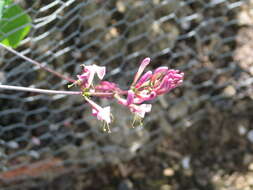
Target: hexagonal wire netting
[[51, 134]]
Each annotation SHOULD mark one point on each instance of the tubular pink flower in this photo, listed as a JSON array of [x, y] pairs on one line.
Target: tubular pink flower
[[122, 101], [92, 70], [145, 87], [140, 110], [102, 114], [170, 81], [128, 101], [142, 97], [149, 86], [143, 65], [130, 97], [100, 71], [82, 80], [105, 86], [163, 83], [88, 74], [161, 70], [158, 74], [143, 79]]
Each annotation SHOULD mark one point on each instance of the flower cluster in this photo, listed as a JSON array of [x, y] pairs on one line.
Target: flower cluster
[[145, 87]]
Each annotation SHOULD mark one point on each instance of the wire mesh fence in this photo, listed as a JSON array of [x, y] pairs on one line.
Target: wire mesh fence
[[44, 136]]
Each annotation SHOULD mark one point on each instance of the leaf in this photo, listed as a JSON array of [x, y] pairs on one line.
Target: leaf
[[14, 24], [7, 2], [1, 8]]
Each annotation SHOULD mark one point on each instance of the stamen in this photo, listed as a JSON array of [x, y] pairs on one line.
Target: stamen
[[77, 82], [138, 120], [103, 127], [108, 128]]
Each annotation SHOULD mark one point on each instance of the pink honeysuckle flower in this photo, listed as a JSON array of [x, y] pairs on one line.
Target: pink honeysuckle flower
[[161, 69], [140, 110], [160, 82], [143, 65], [106, 86], [128, 101], [130, 97], [102, 114], [100, 71], [121, 100], [88, 75], [143, 79], [158, 75], [144, 95], [150, 85], [171, 80], [83, 79]]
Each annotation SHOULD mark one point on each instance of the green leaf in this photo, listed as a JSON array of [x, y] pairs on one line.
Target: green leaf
[[14, 24], [7, 2], [1, 8]]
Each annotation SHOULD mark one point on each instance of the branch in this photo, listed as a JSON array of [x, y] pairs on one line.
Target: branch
[[44, 91], [38, 64]]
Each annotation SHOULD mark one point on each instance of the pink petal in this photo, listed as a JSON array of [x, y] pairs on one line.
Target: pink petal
[[122, 101], [143, 65], [90, 72], [83, 76], [90, 79], [105, 114], [143, 79], [94, 112], [106, 86], [102, 114], [145, 97], [100, 71], [163, 83], [130, 97], [141, 109], [161, 70], [145, 62], [94, 105]]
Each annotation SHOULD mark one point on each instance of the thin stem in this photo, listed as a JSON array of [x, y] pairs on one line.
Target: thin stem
[[44, 91], [38, 64], [101, 94], [107, 94], [93, 104]]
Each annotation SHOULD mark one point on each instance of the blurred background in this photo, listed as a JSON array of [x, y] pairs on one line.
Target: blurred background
[[199, 136]]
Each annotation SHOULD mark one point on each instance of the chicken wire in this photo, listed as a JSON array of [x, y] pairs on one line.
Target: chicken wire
[[43, 136]]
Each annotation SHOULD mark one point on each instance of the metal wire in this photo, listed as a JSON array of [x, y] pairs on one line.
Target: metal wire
[[53, 134]]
